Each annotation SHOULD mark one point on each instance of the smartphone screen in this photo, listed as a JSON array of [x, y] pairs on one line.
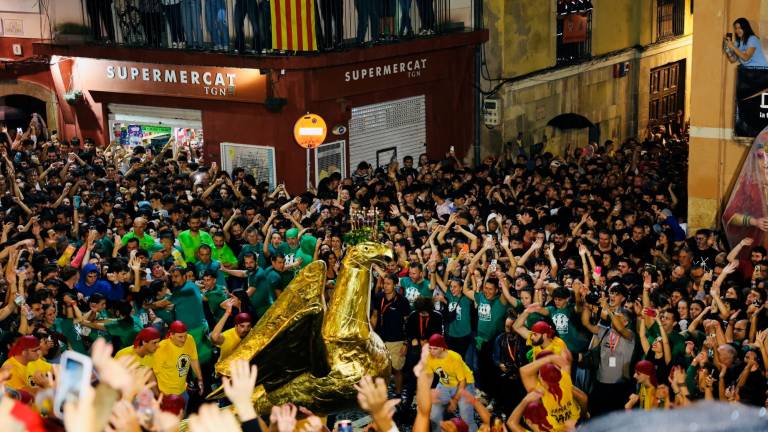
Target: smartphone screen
[[75, 373]]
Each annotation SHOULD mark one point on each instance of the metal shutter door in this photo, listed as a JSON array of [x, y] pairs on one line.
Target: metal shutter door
[[257, 160], [330, 158], [387, 130], [173, 117]]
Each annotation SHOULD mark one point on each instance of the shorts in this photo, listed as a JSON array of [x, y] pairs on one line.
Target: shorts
[[396, 353]]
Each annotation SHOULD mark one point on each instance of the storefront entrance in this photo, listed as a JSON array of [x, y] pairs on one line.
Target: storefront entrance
[[152, 127], [387, 131]]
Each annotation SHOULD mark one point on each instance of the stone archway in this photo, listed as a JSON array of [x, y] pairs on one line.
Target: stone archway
[[38, 91]]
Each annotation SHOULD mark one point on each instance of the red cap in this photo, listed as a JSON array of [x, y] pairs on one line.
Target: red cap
[[146, 335], [23, 343], [177, 327], [542, 327], [647, 368], [173, 404], [438, 341], [243, 317], [461, 425]]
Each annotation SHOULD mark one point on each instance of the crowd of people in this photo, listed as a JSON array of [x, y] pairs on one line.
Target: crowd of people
[[531, 292]]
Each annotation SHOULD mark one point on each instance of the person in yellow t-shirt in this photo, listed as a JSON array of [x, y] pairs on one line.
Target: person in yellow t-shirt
[[228, 340], [172, 360], [645, 375], [454, 377], [550, 375], [24, 351], [541, 336], [144, 346]]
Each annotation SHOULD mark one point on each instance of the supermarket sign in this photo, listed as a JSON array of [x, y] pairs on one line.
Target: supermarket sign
[[201, 82]]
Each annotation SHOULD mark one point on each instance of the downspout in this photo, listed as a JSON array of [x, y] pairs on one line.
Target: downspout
[[478, 24]]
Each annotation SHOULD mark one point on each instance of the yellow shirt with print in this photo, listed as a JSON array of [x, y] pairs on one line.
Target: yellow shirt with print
[[171, 365], [231, 341], [129, 351], [450, 369], [33, 367], [557, 347], [18, 379], [564, 413]]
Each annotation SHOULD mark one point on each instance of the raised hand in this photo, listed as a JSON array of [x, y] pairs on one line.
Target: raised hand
[[283, 418], [239, 387]]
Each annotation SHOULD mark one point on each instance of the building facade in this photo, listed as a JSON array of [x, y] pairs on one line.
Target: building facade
[[381, 99], [570, 72]]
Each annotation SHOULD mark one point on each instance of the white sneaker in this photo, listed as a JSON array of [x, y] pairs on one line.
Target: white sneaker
[[174, 45]]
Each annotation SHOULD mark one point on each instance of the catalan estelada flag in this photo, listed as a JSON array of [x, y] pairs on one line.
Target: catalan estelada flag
[[293, 25]]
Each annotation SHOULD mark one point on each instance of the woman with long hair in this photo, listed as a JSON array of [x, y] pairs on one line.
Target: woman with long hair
[[744, 46]]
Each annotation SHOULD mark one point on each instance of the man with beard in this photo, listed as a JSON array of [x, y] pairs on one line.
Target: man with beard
[[192, 238], [541, 336], [228, 340]]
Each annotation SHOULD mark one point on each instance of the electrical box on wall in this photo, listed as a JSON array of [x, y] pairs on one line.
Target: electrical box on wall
[[17, 49], [492, 112]]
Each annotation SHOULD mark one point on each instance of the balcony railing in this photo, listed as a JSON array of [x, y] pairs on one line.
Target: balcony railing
[[670, 15], [245, 27]]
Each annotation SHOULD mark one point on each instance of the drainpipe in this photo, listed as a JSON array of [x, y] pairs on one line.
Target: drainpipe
[[478, 24]]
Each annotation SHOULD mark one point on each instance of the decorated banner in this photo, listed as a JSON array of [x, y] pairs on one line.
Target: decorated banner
[[293, 25], [574, 28]]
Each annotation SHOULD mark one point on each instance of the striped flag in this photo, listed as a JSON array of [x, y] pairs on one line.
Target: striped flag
[[293, 25]]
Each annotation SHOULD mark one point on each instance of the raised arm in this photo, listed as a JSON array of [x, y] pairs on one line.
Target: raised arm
[[733, 255], [216, 336]]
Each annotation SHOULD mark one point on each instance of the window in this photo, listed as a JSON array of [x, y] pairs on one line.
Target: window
[[574, 31], [670, 17], [667, 95]]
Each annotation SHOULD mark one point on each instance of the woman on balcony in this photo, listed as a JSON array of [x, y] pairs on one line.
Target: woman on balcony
[[746, 49], [172, 12]]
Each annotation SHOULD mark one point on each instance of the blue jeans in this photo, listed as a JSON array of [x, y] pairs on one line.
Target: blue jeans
[[466, 410], [405, 21], [191, 10], [216, 19]]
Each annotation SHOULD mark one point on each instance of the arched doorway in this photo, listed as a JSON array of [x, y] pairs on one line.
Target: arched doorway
[[571, 129], [21, 107], [49, 110]]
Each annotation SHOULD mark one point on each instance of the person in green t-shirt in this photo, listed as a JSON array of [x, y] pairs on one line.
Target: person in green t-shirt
[[458, 318], [252, 245], [415, 285], [563, 316], [491, 313], [146, 241], [206, 262], [214, 294], [188, 308], [122, 331], [222, 252], [192, 238], [262, 285], [289, 248]]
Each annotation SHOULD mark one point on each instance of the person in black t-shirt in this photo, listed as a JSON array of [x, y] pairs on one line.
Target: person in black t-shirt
[[390, 310]]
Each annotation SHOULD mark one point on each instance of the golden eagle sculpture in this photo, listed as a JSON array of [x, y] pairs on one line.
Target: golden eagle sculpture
[[312, 354]]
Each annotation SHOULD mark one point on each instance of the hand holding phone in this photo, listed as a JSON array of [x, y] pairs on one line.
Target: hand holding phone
[[75, 376]]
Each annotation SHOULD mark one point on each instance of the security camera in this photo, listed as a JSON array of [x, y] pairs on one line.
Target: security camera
[[339, 130]]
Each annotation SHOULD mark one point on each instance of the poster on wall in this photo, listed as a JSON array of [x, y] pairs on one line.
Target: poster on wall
[[751, 101]]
